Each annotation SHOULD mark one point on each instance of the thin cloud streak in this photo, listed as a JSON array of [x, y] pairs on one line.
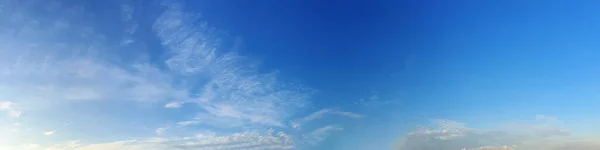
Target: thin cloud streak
[[49, 132], [234, 90]]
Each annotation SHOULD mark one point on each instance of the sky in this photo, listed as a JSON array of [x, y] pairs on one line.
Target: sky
[[301, 75]]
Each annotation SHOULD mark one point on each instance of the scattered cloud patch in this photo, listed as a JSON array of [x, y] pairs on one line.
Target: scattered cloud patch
[[49, 133], [187, 123], [7, 106], [65, 59], [160, 131], [320, 134], [40, 66], [14, 113], [347, 114], [321, 113], [215, 121], [173, 105], [250, 140], [235, 90], [452, 135]]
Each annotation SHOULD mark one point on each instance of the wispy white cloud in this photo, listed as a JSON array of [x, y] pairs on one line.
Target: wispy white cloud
[[38, 65], [320, 134], [173, 105], [131, 26], [347, 114], [187, 123], [7, 106], [49, 133], [451, 135], [235, 90], [59, 59], [14, 113], [321, 113], [215, 121], [160, 131], [251, 140]]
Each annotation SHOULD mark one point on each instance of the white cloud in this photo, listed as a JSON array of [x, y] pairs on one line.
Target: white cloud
[[7, 106], [235, 89], [61, 59], [49, 133], [547, 119], [451, 135], [320, 134], [321, 113], [14, 113], [250, 140], [173, 105], [187, 123], [347, 114], [120, 145], [160, 131], [39, 65], [215, 121]]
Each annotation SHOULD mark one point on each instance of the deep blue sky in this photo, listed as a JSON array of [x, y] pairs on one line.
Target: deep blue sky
[[467, 60], [454, 49]]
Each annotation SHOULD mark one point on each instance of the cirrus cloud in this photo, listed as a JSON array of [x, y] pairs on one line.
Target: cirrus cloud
[[69, 59]]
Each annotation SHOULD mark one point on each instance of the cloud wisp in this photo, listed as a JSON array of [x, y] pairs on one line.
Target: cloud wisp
[[318, 135], [233, 89], [49, 133], [321, 113], [451, 135], [252, 140], [7, 106]]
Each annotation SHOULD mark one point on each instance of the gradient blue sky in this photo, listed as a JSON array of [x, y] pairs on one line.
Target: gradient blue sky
[[311, 74]]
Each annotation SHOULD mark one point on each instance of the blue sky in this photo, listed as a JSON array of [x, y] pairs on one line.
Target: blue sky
[[351, 75]]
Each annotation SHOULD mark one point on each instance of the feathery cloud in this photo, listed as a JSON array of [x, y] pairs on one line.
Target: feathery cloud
[[173, 105], [235, 90], [8, 108], [60, 59], [160, 131], [320, 134], [49, 132], [5, 105], [251, 140], [321, 113]]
